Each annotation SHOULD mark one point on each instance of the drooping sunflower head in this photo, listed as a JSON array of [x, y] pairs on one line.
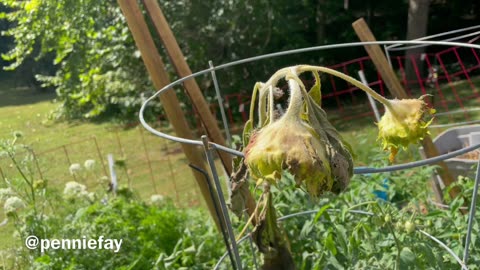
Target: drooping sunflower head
[[405, 122], [292, 146]]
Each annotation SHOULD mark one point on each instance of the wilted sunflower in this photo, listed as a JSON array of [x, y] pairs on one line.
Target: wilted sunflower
[[404, 123], [301, 142]]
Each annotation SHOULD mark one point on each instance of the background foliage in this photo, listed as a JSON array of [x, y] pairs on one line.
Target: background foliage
[[85, 51]]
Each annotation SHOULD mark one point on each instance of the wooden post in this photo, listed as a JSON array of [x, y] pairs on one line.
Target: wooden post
[[396, 89], [159, 76], [191, 86], [178, 60]]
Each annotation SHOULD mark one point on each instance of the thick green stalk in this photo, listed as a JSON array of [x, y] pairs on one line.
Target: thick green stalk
[[296, 102], [254, 98], [271, 105]]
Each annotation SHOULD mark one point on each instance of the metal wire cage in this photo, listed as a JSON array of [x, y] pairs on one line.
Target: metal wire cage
[[209, 148]]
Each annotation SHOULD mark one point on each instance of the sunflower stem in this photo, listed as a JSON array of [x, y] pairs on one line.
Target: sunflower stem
[[271, 105], [351, 80], [295, 105]]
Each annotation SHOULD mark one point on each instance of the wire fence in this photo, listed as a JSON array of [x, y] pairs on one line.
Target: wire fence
[[143, 163]]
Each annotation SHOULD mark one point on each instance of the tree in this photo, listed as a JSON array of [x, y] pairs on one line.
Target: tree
[[98, 70], [417, 28]]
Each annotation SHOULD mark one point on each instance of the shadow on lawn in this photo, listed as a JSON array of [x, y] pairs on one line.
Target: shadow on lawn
[[14, 93]]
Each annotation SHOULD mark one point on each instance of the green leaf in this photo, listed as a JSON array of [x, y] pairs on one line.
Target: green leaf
[[247, 131], [407, 257], [330, 244], [335, 263], [320, 212], [427, 251]]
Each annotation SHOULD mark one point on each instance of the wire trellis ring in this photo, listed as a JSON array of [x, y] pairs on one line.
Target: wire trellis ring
[[359, 170]]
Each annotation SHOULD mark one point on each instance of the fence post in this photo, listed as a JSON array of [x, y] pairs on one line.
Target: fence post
[[1, 173], [152, 177], [99, 154], [68, 160], [113, 175], [393, 84], [172, 174], [36, 164], [120, 146]]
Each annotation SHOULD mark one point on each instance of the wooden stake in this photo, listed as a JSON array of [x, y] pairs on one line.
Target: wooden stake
[[169, 100], [191, 86], [396, 89], [193, 90]]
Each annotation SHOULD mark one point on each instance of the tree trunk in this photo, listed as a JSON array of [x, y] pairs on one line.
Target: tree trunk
[[320, 20], [417, 27]]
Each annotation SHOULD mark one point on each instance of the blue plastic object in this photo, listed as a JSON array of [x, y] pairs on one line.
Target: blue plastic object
[[382, 194]]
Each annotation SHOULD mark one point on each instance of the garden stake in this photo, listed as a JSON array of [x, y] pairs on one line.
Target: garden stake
[[220, 104], [69, 162], [182, 69], [250, 242], [225, 216], [217, 211], [370, 99], [471, 216]]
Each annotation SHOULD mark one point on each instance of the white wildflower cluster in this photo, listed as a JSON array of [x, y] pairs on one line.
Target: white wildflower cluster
[[5, 193], [89, 164], [75, 168], [13, 204], [157, 199], [74, 190]]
